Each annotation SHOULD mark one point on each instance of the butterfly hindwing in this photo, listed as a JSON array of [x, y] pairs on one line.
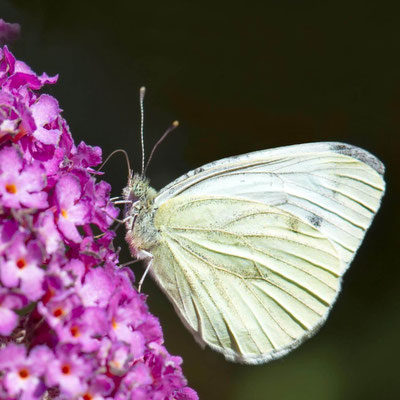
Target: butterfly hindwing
[[248, 279]]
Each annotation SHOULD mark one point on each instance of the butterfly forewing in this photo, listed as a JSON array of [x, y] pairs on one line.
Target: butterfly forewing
[[335, 187]]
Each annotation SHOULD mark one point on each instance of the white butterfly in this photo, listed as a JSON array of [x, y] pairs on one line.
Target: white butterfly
[[251, 249]]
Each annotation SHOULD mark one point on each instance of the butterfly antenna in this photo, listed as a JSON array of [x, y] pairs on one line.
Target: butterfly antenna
[[173, 126], [142, 93], [115, 152]]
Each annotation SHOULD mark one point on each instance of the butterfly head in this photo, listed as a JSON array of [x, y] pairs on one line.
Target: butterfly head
[[138, 190]]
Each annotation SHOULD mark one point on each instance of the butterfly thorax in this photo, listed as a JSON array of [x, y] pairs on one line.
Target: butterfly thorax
[[139, 214]]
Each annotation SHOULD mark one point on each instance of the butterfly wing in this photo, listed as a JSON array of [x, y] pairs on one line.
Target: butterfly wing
[[334, 186], [252, 248], [247, 279]]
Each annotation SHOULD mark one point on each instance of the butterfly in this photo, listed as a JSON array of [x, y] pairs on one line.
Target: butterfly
[[251, 249]]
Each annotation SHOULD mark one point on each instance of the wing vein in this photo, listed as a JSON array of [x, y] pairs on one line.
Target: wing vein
[[264, 236], [296, 283], [193, 291]]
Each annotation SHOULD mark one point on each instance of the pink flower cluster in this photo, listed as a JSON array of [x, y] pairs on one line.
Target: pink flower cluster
[[71, 324]]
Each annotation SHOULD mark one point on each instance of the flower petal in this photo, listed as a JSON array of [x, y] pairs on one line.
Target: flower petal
[[45, 110], [8, 321], [68, 191], [68, 229]]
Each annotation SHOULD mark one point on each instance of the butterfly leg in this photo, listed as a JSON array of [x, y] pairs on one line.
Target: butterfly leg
[[121, 221], [149, 257], [122, 202], [129, 219], [129, 263]]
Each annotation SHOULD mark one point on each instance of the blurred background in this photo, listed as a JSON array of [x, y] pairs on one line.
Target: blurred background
[[243, 76]]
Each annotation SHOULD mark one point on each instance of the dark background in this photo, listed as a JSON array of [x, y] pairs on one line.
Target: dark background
[[243, 76]]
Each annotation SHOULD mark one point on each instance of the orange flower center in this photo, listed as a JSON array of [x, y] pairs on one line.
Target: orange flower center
[[58, 312], [66, 369], [64, 213], [21, 263], [74, 331], [87, 396], [11, 188], [23, 373]]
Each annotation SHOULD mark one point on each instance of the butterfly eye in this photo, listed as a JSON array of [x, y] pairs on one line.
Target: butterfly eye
[[134, 196]]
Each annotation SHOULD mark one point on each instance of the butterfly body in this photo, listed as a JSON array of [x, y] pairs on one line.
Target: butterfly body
[[141, 233], [251, 249]]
